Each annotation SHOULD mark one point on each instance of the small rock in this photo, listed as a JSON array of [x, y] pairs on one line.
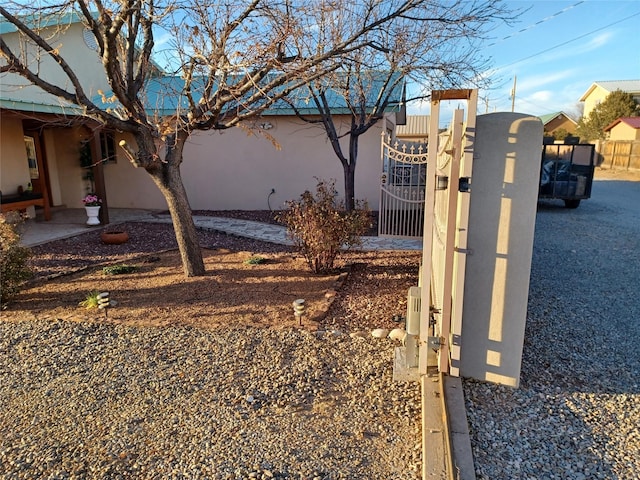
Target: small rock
[[360, 335], [380, 333], [397, 334]]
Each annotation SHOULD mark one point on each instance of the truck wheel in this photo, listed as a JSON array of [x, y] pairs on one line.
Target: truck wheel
[[571, 203]]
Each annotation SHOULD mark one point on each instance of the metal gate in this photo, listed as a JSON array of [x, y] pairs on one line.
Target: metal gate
[[445, 231], [402, 188]]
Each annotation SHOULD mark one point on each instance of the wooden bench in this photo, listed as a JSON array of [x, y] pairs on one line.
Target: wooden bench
[[21, 202]]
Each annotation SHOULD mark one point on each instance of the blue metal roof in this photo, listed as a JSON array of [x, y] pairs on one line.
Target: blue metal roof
[[166, 96], [34, 107]]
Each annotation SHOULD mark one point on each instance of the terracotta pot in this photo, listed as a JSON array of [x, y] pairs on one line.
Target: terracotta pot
[[114, 238]]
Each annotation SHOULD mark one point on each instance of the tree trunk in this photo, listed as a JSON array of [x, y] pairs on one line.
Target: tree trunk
[[350, 172], [168, 179], [349, 186]]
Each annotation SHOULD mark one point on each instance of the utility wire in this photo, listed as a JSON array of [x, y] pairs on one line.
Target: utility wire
[[546, 19], [569, 41]]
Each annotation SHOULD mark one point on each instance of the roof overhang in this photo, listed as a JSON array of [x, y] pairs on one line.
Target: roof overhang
[[49, 115], [588, 92]]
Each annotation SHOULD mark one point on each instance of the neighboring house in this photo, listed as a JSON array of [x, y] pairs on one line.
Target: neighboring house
[[626, 128], [237, 168], [415, 130], [558, 121], [598, 91]]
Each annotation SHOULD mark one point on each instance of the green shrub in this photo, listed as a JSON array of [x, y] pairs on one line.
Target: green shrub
[[118, 269], [320, 226], [90, 301], [14, 270], [255, 260]]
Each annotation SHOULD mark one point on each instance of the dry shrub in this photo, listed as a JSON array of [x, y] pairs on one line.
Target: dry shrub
[[14, 270], [320, 227]]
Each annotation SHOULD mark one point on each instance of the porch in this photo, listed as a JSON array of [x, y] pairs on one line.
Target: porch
[[68, 222]]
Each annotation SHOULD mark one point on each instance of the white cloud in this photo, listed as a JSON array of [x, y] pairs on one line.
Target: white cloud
[[528, 83], [541, 96], [599, 41]]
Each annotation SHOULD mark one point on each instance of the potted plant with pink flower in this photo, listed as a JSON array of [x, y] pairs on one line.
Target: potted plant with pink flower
[[92, 204]]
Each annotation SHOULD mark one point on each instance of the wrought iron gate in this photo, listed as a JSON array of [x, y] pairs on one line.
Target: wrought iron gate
[[402, 188]]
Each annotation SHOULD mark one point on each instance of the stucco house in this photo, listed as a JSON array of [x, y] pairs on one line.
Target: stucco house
[[625, 128], [599, 90], [261, 165], [558, 121]]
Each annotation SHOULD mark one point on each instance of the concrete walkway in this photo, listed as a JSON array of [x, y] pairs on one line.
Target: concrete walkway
[[70, 222]]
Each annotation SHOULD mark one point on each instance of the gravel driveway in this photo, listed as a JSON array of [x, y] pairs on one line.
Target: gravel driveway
[[577, 413]]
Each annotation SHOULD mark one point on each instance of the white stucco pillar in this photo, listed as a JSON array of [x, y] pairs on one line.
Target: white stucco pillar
[[504, 189]]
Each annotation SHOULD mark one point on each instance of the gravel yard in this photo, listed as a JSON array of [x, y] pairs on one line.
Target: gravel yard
[[88, 400], [110, 400], [577, 413], [205, 397]]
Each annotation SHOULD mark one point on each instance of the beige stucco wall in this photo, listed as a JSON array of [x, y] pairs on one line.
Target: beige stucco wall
[[66, 153], [14, 170], [502, 214], [623, 131], [594, 98], [233, 170], [49, 141], [228, 170], [83, 61], [130, 187], [236, 169]]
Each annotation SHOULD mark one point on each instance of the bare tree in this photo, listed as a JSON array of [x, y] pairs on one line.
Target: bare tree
[[436, 47], [232, 59]]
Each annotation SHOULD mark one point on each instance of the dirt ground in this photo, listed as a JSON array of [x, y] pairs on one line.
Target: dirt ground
[[622, 175], [157, 293], [233, 291], [367, 291]]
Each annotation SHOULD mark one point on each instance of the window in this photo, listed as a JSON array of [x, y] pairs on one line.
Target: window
[[108, 147]]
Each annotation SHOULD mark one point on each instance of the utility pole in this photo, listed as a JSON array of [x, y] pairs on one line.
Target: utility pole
[[513, 94]]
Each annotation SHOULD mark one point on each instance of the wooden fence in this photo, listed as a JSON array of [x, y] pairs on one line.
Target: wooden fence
[[619, 154]]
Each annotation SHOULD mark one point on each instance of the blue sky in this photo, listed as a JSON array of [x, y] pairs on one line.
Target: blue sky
[[556, 50]]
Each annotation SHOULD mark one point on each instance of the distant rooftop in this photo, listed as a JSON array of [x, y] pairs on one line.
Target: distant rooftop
[[551, 116], [633, 122], [417, 126], [629, 86]]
